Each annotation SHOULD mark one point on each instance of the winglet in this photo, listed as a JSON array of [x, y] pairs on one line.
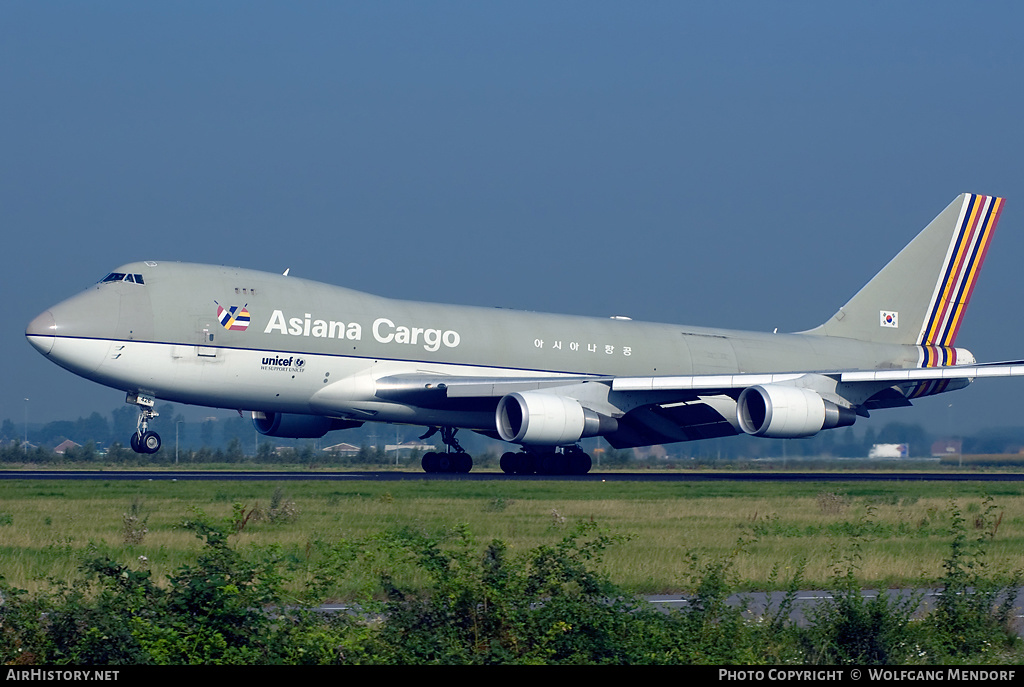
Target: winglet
[[920, 297]]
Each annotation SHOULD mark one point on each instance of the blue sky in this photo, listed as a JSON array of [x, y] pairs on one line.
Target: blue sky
[[742, 164]]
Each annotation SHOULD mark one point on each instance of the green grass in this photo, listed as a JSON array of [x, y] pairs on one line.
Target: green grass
[[903, 528]]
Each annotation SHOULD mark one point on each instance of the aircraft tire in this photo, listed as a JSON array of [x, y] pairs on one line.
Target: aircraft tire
[[527, 464], [544, 463], [579, 463], [463, 463], [150, 442], [430, 462], [508, 462], [134, 441]]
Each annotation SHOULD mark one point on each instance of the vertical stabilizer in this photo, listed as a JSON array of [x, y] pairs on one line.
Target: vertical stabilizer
[[920, 297]]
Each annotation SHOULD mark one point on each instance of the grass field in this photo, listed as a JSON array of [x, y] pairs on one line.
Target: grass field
[[900, 530]]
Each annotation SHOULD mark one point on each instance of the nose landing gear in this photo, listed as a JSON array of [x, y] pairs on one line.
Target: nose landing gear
[[144, 441]]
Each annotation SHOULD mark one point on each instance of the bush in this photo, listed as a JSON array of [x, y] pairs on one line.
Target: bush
[[974, 613], [488, 605], [851, 629], [547, 606], [225, 609]]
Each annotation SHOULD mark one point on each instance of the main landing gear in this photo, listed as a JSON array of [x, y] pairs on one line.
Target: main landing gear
[[454, 459], [144, 441], [572, 460]]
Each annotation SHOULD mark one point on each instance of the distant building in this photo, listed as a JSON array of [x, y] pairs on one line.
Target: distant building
[[343, 448], [947, 447], [889, 451], [63, 446], [409, 446]]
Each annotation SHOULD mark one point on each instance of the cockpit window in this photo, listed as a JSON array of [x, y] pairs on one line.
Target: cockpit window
[[121, 276]]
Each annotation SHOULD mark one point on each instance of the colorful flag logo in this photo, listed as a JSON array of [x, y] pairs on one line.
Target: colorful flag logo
[[233, 318], [890, 319]]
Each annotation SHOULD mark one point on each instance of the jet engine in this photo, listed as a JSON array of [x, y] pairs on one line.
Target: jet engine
[[544, 419], [292, 426], [787, 412]]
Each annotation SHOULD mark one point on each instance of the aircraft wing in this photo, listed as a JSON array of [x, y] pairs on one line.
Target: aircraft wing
[[730, 404], [671, 408], [410, 386], [725, 383], [1004, 369]]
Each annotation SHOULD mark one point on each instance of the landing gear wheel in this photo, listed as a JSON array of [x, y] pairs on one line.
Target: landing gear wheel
[[572, 460], [463, 463], [527, 464], [579, 461], [150, 442], [447, 462], [430, 462], [545, 463], [144, 441], [453, 460], [522, 463], [508, 462]]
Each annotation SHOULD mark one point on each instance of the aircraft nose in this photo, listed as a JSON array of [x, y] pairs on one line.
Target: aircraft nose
[[76, 333], [40, 332]]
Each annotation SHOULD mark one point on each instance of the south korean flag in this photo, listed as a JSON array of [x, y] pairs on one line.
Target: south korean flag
[[889, 319]]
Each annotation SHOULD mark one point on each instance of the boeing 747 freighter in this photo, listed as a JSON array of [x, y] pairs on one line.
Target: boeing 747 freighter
[[305, 358]]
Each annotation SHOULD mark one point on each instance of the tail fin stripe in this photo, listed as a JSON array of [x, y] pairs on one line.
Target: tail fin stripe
[[927, 388], [963, 240], [936, 356], [941, 305], [963, 263], [967, 288], [931, 356]]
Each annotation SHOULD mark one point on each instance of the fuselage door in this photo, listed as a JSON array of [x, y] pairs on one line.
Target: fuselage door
[[205, 345]]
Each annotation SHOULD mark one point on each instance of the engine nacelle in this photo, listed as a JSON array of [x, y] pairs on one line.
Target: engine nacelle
[[293, 426], [533, 417], [787, 412]]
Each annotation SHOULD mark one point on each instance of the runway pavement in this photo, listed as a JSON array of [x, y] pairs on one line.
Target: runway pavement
[[390, 476]]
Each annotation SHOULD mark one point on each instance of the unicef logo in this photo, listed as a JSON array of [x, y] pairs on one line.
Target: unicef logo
[[299, 362]]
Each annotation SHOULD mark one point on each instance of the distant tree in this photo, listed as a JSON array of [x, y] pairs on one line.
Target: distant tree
[[206, 433], [995, 440], [94, 428], [126, 419], [56, 432], [164, 423], [847, 446], [82, 454], [265, 453], [826, 443], [870, 439], [236, 428], [234, 453]]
